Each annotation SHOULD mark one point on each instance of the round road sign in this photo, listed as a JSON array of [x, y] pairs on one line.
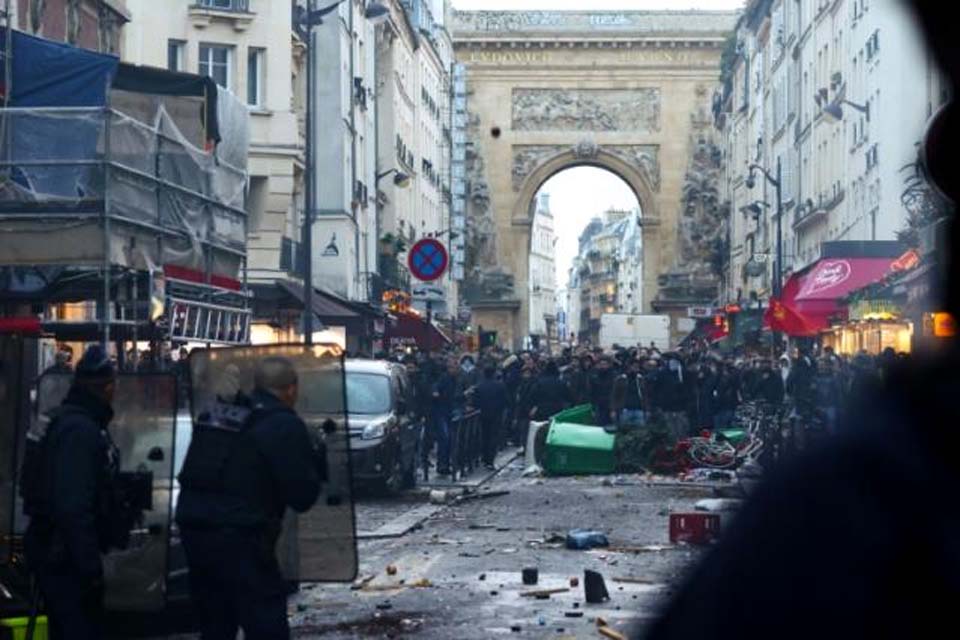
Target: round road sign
[[428, 259]]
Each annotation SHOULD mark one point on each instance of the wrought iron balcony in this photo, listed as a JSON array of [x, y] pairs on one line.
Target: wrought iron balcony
[[239, 6]]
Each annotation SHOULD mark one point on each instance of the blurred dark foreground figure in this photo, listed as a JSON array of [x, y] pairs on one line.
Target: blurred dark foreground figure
[[859, 538]]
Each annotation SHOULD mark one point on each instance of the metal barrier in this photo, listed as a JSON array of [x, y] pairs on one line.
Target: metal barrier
[[466, 444]]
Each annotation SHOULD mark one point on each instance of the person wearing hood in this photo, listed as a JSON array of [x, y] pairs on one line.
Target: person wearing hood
[[73, 468], [784, 368]]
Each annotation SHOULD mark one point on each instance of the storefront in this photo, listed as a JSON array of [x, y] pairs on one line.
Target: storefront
[[813, 303], [873, 325]]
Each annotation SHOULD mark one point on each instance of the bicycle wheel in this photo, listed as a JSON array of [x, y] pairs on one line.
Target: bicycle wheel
[[707, 453]]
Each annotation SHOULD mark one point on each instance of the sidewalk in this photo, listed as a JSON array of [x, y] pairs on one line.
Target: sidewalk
[[479, 476]]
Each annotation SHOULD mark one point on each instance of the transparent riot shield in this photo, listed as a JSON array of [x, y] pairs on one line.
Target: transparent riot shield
[[143, 431], [319, 545]]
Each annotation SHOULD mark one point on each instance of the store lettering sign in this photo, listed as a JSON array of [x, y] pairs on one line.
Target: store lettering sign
[[874, 310], [701, 312], [907, 261], [829, 274]]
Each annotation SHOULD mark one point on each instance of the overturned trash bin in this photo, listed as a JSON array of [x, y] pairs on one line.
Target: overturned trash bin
[[574, 446]]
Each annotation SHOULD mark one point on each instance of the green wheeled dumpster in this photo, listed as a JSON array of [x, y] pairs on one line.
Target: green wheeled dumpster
[[574, 446]]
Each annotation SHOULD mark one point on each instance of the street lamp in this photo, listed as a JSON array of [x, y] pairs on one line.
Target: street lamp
[[309, 19], [777, 183], [834, 110], [400, 179]]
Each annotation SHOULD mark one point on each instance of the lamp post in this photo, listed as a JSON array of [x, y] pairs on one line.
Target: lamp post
[[308, 20], [778, 264], [401, 180]]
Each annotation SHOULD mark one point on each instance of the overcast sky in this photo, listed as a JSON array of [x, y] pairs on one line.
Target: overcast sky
[[501, 5], [576, 196]]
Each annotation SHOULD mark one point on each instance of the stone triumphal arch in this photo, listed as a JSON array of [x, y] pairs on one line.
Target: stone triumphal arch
[[625, 91]]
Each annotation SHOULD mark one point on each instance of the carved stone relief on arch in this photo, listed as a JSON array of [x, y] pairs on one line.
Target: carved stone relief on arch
[[586, 109]]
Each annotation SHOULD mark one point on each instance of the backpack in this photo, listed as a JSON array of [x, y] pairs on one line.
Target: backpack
[[34, 482]]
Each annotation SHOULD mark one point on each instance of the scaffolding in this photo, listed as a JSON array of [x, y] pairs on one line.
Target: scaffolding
[[126, 205]]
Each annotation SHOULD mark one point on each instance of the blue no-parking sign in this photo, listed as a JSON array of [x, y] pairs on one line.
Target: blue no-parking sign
[[428, 259]]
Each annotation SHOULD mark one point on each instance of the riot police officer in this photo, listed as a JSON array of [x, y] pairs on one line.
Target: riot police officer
[[65, 483], [247, 463]]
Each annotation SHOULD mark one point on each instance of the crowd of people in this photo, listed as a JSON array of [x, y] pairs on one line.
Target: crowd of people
[[628, 387]]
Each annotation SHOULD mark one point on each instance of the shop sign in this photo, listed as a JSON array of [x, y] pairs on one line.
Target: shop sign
[[907, 261], [944, 325], [701, 312], [874, 310], [829, 274]]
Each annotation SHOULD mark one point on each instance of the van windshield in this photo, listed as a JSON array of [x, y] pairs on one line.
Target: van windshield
[[367, 394]]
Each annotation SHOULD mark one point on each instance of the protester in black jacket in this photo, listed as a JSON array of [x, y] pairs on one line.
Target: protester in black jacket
[[769, 386], [524, 404], [550, 396], [727, 397], [490, 398], [601, 387]]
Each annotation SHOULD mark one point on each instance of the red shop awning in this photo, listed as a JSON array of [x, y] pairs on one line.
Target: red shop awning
[[406, 329], [810, 298]]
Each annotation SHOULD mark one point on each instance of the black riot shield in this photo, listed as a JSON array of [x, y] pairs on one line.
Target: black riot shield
[[319, 545], [143, 432]]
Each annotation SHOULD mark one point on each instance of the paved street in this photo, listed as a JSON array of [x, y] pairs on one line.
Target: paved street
[[459, 574], [458, 571]]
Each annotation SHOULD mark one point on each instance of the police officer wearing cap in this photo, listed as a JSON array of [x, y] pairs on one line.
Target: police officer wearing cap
[[251, 458], [65, 485]]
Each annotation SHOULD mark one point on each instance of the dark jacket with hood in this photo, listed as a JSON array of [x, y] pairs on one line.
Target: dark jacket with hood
[[77, 468]]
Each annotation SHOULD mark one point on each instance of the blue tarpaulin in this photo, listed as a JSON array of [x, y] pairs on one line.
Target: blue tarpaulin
[[51, 74]]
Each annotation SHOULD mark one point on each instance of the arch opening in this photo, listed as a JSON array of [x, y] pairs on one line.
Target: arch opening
[[585, 252]]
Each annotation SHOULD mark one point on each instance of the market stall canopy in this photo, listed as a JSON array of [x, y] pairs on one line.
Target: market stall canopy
[[814, 296], [413, 329]]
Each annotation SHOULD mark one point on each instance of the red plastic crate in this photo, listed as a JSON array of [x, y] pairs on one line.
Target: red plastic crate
[[694, 528]]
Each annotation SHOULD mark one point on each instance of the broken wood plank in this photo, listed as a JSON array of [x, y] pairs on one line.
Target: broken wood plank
[[480, 496], [543, 592], [360, 584], [607, 632], [629, 580], [650, 548]]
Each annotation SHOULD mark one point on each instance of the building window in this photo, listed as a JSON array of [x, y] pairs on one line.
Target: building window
[[256, 68], [175, 49], [215, 62], [225, 5]]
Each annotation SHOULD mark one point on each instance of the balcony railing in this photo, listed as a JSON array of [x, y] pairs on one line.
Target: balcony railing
[[239, 6], [814, 212]]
